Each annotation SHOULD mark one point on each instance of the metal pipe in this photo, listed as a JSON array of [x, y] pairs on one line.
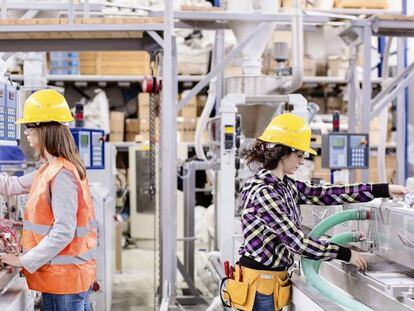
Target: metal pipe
[[390, 86], [387, 98]]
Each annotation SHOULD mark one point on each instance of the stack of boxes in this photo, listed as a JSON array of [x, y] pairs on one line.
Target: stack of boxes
[[132, 129], [115, 63], [64, 63], [143, 115], [117, 126]]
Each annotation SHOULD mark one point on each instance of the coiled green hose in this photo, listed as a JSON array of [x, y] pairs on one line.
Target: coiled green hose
[[311, 267]]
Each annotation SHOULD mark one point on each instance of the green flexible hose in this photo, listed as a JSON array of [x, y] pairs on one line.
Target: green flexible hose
[[311, 267], [338, 218]]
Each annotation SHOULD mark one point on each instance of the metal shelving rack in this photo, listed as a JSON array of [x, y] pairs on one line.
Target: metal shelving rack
[[163, 34]]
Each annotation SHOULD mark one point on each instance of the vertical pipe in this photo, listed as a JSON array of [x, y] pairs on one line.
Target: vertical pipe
[[189, 204], [168, 199], [365, 107], [406, 101]]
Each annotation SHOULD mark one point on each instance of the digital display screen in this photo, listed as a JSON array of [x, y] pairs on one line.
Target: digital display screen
[[84, 140], [11, 95], [338, 142]]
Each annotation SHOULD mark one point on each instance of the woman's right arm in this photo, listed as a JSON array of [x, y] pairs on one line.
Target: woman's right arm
[[12, 185]]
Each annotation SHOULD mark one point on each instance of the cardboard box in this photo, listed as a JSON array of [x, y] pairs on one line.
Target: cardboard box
[[132, 125], [116, 136], [117, 122], [143, 99], [131, 136], [309, 65], [337, 66], [115, 63]]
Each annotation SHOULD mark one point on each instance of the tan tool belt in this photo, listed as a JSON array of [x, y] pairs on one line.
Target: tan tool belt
[[241, 294]]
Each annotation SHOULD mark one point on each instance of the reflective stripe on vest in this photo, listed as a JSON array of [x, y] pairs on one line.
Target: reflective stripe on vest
[[73, 260], [81, 231]]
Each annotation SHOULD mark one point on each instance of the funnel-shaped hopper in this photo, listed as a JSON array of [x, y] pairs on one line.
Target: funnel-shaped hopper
[[252, 53], [254, 117]]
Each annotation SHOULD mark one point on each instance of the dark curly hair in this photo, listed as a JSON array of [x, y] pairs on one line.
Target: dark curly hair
[[267, 157]]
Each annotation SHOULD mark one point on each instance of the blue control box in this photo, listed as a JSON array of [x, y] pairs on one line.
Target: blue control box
[[90, 144]]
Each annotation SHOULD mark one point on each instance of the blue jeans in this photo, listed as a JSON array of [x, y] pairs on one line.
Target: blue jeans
[[69, 302], [263, 303]]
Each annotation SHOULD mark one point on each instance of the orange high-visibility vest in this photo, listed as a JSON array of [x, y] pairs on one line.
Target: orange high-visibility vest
[[73, 270]]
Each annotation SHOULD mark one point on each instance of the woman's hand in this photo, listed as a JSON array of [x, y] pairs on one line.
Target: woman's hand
[[358, 261], [397, 191], [11, 260]]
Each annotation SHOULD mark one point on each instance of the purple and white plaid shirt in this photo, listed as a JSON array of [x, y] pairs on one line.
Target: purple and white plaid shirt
[[271, 217]]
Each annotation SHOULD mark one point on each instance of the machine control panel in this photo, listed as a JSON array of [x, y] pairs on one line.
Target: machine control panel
[[345, 151], [9, 133], [91, 146]]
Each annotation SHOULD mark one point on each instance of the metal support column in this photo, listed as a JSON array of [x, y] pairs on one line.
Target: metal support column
[[365, 107], [220, 53], [168, 170], [401, 121], [352, 98]]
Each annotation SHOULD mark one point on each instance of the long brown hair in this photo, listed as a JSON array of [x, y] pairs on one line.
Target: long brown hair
[[267, 157], [56, 139]]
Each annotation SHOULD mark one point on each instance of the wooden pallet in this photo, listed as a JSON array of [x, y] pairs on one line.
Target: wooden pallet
[[361, 4]]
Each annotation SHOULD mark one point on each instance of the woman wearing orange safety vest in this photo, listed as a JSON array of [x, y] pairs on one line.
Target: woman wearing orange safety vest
[[59, 230]]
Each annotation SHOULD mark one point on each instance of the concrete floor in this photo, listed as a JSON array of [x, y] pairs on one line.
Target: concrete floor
[[133, 289]]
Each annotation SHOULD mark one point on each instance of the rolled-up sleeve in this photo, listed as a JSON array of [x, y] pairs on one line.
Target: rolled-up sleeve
[[275, 216], [64, 202], [335, 195]]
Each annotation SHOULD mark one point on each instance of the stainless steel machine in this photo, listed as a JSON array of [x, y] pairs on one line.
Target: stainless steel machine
[[388, 247]]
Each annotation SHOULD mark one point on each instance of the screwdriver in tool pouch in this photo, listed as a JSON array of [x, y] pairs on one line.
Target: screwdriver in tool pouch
[[227, 268], [231, 275], [240, 274]]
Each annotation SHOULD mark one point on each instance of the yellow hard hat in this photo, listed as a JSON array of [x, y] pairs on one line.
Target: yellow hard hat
[[289, 130], [46, 106]]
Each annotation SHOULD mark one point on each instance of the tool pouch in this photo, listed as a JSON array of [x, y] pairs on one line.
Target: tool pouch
[[282, 293], [241, 295]]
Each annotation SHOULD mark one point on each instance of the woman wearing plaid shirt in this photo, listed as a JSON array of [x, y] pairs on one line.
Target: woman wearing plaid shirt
[[270, 204]]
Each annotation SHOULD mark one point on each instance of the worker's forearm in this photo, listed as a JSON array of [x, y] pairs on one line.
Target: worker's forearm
[[13, 185]]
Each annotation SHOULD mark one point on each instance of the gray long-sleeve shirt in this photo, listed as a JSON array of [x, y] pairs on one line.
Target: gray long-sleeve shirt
[[64, 202]]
